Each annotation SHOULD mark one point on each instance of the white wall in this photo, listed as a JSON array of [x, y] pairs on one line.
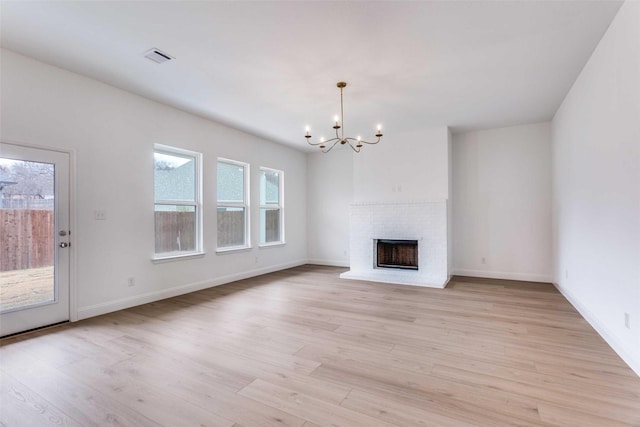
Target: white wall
[[404, 167], [596, 172], [502, 199], [329, 194], [112, 133]]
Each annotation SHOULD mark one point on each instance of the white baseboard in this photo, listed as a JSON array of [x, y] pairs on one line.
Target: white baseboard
[[123, 303], [503, 275], [630, 359], [329, 262]]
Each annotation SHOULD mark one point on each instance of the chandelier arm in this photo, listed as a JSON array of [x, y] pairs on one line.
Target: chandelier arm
[[315, 144], [363, 141], [326, 150], [356, 148]]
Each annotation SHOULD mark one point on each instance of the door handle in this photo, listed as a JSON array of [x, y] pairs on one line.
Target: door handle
[[64, 244]]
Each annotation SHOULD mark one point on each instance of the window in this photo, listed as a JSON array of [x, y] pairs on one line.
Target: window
[[233, 205], [178, 202], [271, 207]]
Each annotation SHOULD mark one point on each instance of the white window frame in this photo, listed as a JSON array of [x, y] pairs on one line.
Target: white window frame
[[245, 205], [197, 204], [280, 206]]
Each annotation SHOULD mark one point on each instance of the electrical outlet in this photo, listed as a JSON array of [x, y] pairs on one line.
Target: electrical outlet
[[131, 281], [627, 320], [100, 215]]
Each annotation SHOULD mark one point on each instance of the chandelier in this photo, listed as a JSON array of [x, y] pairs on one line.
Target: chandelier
[[356, 144]]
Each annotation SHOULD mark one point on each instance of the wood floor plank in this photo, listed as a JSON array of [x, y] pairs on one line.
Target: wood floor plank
[[399, 413], [81, 402], [205, 394], [595, 375], [333, 354], [21, 406], [462, 397], [304, 406], [301, 347], [189, 366], [595, 403], [558, 415], [230, 372], [155, 403]]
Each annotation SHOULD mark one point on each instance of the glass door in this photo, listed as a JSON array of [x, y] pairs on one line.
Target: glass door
[[35, 235]]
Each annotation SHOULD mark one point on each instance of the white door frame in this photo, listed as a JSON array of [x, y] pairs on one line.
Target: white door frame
[[72, 221]]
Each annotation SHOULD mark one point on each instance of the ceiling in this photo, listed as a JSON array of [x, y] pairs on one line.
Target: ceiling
[[270, 68]]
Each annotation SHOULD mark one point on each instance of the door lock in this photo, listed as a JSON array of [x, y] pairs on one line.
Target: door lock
[[64, 244]]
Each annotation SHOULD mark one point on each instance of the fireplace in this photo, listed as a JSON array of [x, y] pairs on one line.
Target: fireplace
[[401, 254], [422, 224]]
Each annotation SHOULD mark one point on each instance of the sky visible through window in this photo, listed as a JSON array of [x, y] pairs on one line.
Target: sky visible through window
[[174, 177], [230, 182], [270, 184]]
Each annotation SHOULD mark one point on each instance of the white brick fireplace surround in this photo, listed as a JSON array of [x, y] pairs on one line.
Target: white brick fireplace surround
[[425, 222]]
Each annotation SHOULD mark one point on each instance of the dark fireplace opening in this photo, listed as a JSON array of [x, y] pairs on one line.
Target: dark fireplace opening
[[401, 254]]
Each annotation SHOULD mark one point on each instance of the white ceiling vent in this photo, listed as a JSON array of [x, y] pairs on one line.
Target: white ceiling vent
[[158, 56]]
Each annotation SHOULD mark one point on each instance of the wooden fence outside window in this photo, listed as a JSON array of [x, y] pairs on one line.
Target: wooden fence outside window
[[27, 238]]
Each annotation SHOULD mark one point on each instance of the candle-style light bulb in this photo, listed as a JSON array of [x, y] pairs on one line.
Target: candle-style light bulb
[[379, 127], [358, 138], [337, 125], [321, 139], [307, 129]]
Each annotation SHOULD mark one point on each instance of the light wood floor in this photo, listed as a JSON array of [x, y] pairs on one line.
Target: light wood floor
[[303, 348]]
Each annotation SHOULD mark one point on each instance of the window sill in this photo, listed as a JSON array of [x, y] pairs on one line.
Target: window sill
[[271, 245], [222, 251], [169, 258]]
